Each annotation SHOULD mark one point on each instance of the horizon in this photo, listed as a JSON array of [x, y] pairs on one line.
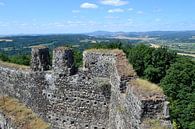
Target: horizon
[[84, 16], [87, 33]]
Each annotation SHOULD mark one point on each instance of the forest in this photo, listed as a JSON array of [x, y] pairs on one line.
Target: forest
[[174, 73]]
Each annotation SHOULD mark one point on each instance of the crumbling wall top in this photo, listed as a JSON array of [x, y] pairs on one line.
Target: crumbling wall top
[[39, 47], [62, 48], [146, 90], [124, 69], [63, 61]]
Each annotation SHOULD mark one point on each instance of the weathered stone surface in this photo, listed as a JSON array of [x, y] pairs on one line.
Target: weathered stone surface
[[104, 95], [40, 58], [63, 61]]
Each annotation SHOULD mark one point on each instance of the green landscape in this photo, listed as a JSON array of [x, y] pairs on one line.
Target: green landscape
[[97, 64], [160, 64]]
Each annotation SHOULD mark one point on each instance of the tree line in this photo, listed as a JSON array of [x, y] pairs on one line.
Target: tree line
[[16, 59]]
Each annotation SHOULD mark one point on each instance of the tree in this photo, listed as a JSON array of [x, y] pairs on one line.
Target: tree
[[4, 57], [78, 58], [151, 63], [20, 59], [138, 56], [179, 86]]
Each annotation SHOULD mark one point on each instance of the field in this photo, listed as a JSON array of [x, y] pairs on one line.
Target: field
[[134, 38], [184, 49], [6, 40]]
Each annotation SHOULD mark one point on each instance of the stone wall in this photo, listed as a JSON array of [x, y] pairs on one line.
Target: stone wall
[[133, 101], [103, 95]]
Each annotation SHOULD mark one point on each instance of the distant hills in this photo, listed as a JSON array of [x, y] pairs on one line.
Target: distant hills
[[152, 34], [172, 36]]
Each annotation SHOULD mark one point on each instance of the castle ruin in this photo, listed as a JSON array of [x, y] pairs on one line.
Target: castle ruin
[[104, 94]]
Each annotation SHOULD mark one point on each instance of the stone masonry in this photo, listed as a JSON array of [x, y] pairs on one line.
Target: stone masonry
[[105, 94]]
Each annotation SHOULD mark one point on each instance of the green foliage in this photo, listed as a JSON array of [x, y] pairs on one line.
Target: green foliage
[[78, 58], [4, 57], [176, 75], [139, 56], [179, 86], [20, 59], [17, 59], [151, 63], [117, 45], [152, 73]]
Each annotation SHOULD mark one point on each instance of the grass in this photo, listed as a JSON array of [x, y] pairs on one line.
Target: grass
[[39, 47], [103, 51], [154, 124], [12, 65], [21, 116], [147, 86]]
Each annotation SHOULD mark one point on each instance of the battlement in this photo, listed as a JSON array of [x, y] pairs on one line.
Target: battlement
[[62, 63], [106, 94], [102, 62], [40, 58]]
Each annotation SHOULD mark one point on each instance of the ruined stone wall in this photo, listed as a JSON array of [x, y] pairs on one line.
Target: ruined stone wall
[[67, 102], [134, 103], [104, 95]]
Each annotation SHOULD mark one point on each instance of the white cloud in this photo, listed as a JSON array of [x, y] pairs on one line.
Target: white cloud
[[115, 11], [114, 2], [140, 12], [88, 6], [2, 4], [130, 9], [75, 11]]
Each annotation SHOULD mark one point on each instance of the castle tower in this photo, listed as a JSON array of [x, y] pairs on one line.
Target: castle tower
[[40, 58], [63, 61]]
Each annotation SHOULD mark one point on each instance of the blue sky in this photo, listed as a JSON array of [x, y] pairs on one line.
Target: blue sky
[[78, 16]]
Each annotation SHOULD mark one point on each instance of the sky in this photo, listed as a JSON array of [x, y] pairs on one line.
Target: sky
[[81, 16]]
